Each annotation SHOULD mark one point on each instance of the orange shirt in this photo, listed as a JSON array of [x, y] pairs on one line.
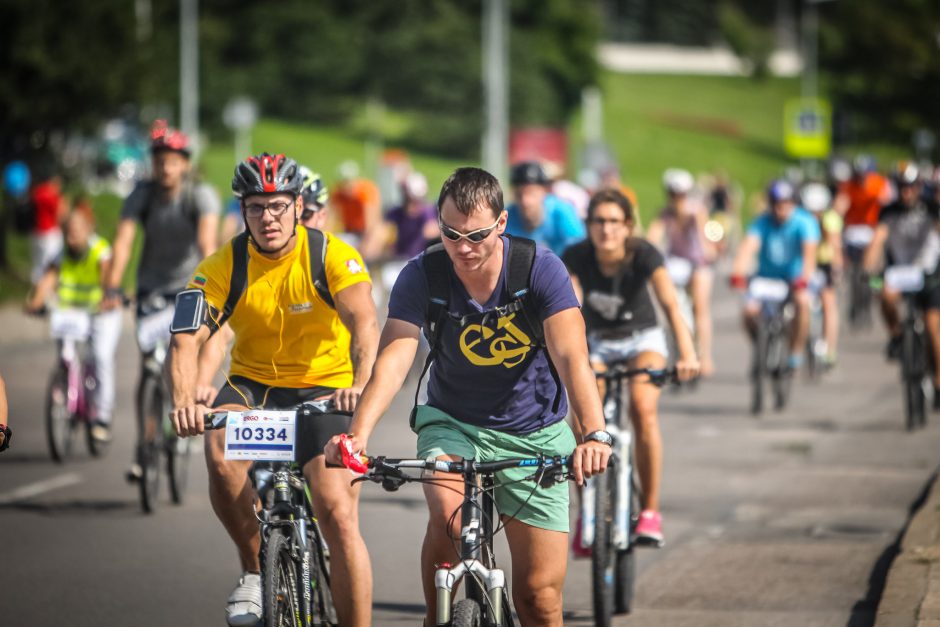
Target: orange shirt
[[356, 202], [865, 199]]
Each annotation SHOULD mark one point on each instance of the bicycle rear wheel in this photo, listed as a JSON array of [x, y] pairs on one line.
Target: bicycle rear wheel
[[467, 614], [151, 441], [759, 369], [97, 448], [59, 424], [279, 582], [603, 553]]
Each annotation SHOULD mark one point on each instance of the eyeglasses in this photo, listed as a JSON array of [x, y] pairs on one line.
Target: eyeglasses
[[474, 237], [276, 209], [602, 222]]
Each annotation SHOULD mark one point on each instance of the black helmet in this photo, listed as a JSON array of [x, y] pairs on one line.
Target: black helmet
[[528, 172], [314, 191], [267, 174], [906, 173]]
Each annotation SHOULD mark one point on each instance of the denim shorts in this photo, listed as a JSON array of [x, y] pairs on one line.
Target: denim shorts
[[607, 351]]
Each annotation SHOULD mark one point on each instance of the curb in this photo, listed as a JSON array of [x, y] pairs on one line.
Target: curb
[[911, 596]]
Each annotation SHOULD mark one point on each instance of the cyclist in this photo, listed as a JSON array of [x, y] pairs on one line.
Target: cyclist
[[784, 239], [357, 201], [611, 272], [859, 201], [79, 272], [907, 235], [491, 392], [817, 199], [538, 214], [315, 196], [680, 232], [290, 346], [6, 433], [407, 228], [49, 207], [179, 221]]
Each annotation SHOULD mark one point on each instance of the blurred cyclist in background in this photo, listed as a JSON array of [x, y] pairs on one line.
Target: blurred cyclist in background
[[77, 276], [679, 231], [315, 196], [817, 199], [49, 208], [357, 202], [539, 215], [859, 201], [408, 228], [784, 240]]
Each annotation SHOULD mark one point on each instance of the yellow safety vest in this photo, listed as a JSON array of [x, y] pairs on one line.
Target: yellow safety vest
[[80, 279]]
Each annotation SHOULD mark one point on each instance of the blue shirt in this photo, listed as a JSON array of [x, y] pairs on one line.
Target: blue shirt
[[781, 245], [490, 374], [560, 229]]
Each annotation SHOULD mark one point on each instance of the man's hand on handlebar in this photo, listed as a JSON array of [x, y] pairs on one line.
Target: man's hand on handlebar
[[333, 451], [688, 368], [588, 459], [189, 420], [346, 398], [113, 299]]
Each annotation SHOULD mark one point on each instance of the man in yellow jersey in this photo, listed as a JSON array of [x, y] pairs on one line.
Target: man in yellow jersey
[[294, 341]]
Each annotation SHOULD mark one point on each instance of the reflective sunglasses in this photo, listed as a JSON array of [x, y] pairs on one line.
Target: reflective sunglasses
[[474, 237]]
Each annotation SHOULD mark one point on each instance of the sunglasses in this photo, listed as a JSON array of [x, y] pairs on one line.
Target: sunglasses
[[474, 237]]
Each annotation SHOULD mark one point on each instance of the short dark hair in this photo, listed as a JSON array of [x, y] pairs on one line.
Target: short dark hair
[[611, 196], [471, 189]]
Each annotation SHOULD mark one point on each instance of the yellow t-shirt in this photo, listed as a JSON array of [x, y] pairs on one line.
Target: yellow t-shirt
[[285, 334]]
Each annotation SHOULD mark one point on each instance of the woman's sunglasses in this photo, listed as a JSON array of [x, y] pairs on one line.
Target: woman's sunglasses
[[474, 237]]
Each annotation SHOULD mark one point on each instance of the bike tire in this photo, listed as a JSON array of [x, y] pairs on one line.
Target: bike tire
[[151, 442], [279, 582], [97, 448], [603, 552], [625, 578], [467, 613], [59, 424], [912, 374], [323, 610], [759, 369], [177, 466]]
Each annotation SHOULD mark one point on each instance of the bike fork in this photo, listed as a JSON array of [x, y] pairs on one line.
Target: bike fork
[[446, 578]]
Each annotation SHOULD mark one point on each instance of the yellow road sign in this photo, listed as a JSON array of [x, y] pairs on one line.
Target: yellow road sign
[[807, 128]]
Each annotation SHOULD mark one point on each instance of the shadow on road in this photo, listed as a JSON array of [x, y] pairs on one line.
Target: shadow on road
[[26, 458], [404, 608], [75, 507]]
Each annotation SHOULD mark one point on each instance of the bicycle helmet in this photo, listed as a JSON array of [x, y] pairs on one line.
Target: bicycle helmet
[[415, 185], [267, 174], [678, 181], [780, 190], [815, 197], [906, 173], [528, 173], [863, 164], [164, 137], [314, 192], [840, 170]]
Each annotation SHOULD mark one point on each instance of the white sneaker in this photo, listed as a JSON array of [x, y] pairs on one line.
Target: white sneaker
[[244, 604]]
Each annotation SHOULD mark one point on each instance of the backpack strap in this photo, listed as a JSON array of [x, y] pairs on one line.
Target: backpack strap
[[237, 281], [316, 245], [437, 272]]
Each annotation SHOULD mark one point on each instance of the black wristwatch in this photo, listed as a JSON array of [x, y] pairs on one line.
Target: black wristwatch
[[599, 436]]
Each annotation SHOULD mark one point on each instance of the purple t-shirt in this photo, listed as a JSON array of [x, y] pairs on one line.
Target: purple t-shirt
[[491, 375], [410, 240]]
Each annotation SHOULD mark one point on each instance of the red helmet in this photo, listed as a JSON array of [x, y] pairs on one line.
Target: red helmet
[[163, 137]]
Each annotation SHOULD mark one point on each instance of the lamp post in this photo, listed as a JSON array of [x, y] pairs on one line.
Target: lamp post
[[189, 70], [496, 81]]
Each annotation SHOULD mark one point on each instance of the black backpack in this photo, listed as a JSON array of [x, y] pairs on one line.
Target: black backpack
[[438, 269], [316, 244]]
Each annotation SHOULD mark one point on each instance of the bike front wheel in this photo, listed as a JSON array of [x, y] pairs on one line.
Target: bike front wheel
[[59, 423], [279, 582], [177, 466], [151, 444], [603, 552], [467, 614], [913, 367]]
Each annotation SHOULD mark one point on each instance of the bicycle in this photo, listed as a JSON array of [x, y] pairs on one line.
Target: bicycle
[[816, 347], [857, 238], [914, 357], [157, 440], [610, 503], [487, 594], [772, 342], [71, 390], [295, 573]]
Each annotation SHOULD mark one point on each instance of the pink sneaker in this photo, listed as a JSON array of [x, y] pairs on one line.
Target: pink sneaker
[[649, 529], [577, 548]]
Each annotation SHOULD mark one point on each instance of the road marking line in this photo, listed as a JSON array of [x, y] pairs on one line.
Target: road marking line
[[35, 489]]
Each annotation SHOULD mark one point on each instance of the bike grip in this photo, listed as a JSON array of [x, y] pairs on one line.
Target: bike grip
[[215, 420], [351, 459], [737, 281]]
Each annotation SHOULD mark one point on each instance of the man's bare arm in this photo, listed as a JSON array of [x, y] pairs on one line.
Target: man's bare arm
[[356, 309]]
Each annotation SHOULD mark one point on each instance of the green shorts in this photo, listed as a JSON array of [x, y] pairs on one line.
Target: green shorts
[[546, 508]]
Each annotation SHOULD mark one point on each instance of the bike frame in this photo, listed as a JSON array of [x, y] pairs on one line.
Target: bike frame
[[78, 367]]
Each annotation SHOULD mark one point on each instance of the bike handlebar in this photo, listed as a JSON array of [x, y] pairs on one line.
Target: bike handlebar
[[657, 376], [217, 419]]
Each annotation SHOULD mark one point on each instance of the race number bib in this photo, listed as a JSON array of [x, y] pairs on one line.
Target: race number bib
[[768, 290], [680, 270], [154, 329], [904, 278], [858, 235], [260, 435], [70, 324]]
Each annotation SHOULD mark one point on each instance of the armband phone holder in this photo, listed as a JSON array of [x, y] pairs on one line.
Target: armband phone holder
[[190, 313]]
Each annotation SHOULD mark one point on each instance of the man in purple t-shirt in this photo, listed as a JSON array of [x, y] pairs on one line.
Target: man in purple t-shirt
[[492, 393]]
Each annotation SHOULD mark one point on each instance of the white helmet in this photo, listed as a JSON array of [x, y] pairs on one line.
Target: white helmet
[[815, 197], [678, 181]]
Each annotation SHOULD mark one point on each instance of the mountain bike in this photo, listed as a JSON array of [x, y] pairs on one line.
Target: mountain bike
[[487, 593], [295, 560], [772, 341], [857, 237], [610, 502], [157, 444], [70, 396], [914, 358]]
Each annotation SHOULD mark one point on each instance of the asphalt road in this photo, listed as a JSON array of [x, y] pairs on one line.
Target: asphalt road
[[789, 519]]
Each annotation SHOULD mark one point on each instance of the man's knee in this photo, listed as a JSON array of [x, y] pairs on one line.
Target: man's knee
[[540, 603]]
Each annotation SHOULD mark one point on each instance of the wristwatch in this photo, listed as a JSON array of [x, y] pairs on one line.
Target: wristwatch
[[599, 436]]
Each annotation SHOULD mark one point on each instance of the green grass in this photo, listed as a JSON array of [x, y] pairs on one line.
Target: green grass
[[700, 123]]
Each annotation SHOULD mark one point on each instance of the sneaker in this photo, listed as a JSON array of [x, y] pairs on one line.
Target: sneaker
[[893, 349], [244, 604], [649, 529], [577, 546], [134, 473], [101, 432]]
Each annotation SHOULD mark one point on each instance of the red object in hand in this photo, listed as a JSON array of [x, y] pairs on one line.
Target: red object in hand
[[351, 459], [798, 284], [738, 282]]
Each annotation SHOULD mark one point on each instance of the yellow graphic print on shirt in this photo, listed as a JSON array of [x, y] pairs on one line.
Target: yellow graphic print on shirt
[[508, 345]]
